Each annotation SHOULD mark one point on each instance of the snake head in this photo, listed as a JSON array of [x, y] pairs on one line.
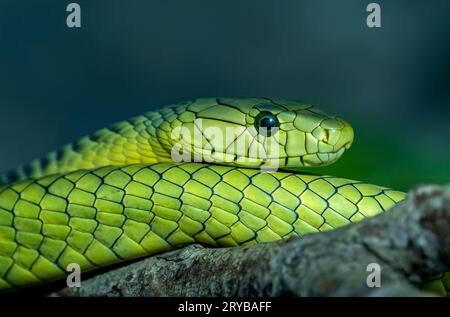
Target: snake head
[[259, 132]]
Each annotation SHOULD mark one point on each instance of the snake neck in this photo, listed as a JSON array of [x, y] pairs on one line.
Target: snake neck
[[142, 139], [226, 131]]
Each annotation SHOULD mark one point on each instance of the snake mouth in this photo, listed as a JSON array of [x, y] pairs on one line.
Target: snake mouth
[[348, 145], [331, 147], [322, 159], [315, 159]]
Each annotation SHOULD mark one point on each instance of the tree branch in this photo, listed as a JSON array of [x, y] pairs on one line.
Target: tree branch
[[410, 242]]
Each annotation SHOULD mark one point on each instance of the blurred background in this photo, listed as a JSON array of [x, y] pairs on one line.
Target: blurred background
[[392, 83]]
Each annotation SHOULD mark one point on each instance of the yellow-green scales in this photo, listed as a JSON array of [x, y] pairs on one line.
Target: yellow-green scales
[[117, 194]]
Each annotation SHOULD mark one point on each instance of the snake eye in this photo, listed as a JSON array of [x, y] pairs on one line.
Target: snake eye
[[266, 123]]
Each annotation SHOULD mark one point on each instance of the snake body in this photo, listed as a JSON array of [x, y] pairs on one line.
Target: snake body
[[117, 194]]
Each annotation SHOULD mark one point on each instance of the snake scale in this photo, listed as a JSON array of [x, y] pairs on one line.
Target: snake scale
[[118, 194]]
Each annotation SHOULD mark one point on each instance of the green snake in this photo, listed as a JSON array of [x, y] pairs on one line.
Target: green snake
[[118, 194]]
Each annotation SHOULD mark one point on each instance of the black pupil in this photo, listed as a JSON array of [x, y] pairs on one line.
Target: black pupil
[[267, 123]]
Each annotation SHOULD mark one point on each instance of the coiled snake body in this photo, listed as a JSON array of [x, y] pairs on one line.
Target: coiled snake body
[[118, 194]]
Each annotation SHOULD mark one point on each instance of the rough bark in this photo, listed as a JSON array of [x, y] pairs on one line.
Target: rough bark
[[410, 242]]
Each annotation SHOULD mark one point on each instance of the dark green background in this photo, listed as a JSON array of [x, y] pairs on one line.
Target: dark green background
[[392, 84]]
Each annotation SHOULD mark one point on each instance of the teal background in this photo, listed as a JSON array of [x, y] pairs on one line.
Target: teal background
[[58, 84]]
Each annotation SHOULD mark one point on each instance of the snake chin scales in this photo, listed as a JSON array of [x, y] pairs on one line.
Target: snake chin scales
[[187, 173]]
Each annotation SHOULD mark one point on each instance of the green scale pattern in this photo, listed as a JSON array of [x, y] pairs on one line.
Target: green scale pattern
[[107, 215]]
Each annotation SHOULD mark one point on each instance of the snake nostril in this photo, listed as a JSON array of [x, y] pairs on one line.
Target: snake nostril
[[322, 135], [326, 136]]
